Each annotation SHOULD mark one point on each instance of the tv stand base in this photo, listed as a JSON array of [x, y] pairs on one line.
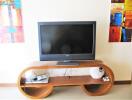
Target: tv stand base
[[90, 86]]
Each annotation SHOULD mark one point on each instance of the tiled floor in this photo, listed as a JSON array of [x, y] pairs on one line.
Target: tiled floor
[[118, 92]]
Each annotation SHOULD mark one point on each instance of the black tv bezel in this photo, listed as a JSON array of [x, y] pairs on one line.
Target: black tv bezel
[[67, 57]]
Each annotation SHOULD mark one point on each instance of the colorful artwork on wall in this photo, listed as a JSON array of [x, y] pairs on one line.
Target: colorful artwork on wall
[[121, 21], [11, 29]]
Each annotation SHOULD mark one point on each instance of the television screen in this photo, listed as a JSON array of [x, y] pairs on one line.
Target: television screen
[[67, 40]]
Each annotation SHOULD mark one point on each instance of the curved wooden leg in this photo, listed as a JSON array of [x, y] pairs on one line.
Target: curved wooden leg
[[100, 89], [31, 91], [36, 92]]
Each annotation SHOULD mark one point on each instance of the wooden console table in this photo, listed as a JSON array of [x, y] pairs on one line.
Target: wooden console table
[[94, 87]]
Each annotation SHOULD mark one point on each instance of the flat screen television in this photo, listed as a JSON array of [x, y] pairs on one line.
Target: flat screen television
[[67, 41]]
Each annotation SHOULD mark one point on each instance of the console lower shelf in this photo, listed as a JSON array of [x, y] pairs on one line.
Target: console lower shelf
[[67, 80]]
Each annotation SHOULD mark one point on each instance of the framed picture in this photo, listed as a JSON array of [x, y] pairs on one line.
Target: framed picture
[[11, 29], [121, 21]]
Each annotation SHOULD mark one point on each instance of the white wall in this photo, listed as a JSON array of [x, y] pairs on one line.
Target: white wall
[[15, 57]]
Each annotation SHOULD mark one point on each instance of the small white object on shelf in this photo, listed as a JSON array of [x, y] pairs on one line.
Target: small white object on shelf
[[106, 79], [97, 72]]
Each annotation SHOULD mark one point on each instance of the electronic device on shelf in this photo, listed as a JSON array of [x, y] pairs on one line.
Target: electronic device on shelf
[[37, 79], [67, 41]]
